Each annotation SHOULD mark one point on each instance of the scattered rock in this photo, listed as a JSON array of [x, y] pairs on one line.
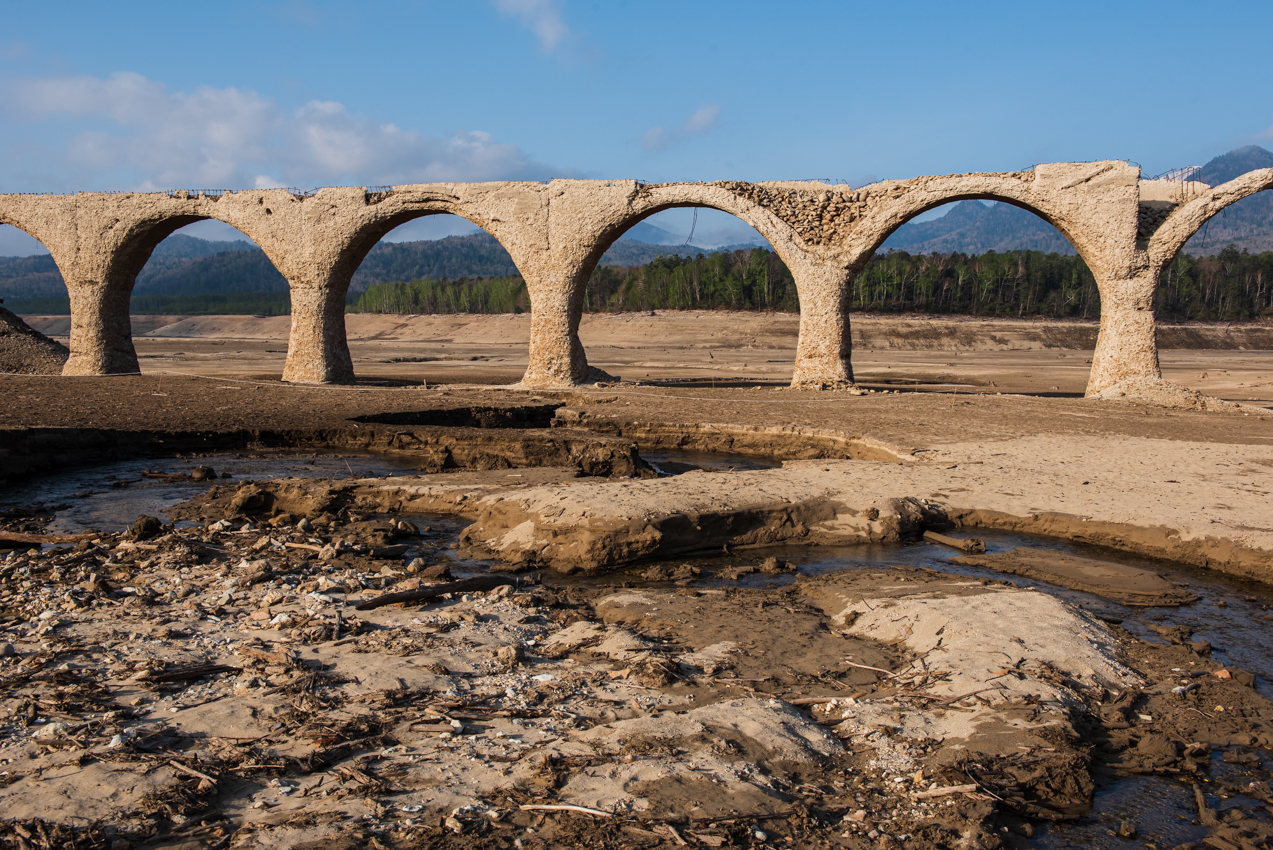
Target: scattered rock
[[772, 567], [510, 655], [146, 527]]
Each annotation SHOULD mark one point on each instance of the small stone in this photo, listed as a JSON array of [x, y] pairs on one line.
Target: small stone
[[146, 527], [53, 730], [305, 525], [405, 527], [437, 572], [510, 655], [1126, 829], [773, 567], [1222, 674], [1243, 677], [7, 650], [203, 473]]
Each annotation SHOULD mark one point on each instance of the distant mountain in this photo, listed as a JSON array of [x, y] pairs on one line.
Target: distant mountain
[[30, 277], [1248, 223], [179, 246], [185, 265], [650, 234], [971, 227], [229, 271], [475, 255]]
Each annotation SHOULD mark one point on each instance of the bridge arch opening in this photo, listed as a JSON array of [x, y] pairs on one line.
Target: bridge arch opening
[[30, 282], [31, 287], [1216, 266], [998, 261], [431, 292], [201, 291], [691, 294]]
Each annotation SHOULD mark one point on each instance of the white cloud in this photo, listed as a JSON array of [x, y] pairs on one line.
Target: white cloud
[[137, 131], [702, 121], [542, 17]]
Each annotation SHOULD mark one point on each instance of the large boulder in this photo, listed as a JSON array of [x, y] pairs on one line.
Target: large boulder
[[27, 351]]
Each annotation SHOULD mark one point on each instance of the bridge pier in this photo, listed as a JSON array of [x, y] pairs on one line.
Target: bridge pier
[[317, 346], [1127, 343], [557, 358], [101, 331], [825, 345]]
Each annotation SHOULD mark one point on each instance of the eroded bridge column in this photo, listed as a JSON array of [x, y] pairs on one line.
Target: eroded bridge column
[[825, 346], [101, 330], [557, 357], [1127, 345], [317, 348]]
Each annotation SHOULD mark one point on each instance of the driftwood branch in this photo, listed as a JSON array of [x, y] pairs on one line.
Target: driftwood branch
[[192, 671], [18, 537], [942, 792], [580, 809], [433, 591]]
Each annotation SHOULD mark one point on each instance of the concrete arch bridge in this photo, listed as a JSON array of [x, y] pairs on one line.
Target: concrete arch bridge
[[1125, 228]]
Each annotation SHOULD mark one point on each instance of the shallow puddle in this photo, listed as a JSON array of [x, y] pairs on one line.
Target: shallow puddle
[[110, 497], [677, 462], [1235, 616]]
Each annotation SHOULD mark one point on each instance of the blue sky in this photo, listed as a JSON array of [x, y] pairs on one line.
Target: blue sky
[[135, 95]]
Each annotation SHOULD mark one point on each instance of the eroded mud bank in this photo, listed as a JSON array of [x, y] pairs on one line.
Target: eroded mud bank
[[466, 438], [220, 683]]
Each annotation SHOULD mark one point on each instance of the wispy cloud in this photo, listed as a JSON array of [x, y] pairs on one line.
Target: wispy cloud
[[136, 130], [15, 50], [702, 121], [542, 17]]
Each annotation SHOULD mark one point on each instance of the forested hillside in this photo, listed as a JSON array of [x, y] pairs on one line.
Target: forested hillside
[[1232, 285]]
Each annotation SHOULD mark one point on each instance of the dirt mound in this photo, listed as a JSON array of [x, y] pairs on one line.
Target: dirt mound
[[27, 351], [1161, 393]]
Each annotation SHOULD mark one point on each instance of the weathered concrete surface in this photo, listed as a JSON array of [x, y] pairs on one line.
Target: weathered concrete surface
[[1126, 230]]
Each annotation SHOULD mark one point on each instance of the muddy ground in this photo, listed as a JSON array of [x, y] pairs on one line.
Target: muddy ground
[[231, 680]]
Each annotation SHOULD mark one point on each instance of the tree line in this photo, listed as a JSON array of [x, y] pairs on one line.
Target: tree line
[[1232, 285]]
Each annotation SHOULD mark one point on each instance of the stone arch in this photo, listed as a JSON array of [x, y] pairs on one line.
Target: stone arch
[[101, 326], [318, 348], [1092, 205], [24, 226], [1182, 223], [776, 232], [601, 212], [615, 231], [371, 231], [876, 229]]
